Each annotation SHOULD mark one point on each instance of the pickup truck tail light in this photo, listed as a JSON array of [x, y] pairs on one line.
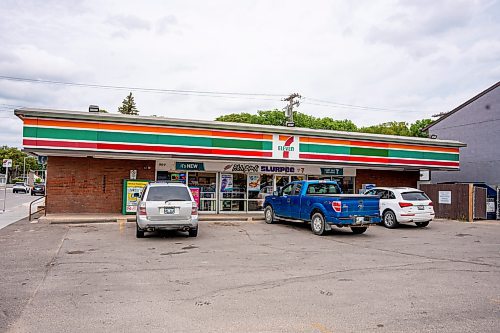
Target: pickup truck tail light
[[142, 208], [405, 204], [194, 209], [337, 206]]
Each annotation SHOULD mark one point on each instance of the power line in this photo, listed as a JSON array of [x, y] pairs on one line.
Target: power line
[[213, 94], [351, 106], [158, 90]]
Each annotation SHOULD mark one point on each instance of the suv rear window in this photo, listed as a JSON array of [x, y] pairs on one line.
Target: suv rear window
[[413, 196], [166, 193], [323, 189]]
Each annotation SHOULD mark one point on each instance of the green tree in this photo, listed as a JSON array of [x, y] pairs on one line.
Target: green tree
[[18, 159], [128, 106], [416, 129], [277, 118], [389, 128]]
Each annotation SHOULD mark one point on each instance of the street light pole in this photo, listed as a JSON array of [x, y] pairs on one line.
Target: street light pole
[[24, 169]]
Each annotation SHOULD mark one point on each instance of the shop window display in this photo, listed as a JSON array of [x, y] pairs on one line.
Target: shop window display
[[206, 182], [233, 192], [259, 186], [166, 176]]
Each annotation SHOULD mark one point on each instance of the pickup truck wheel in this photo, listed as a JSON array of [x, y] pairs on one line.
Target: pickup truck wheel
[[318, 224], [422, 224], [269, 215], [359, 230], [139, 233], [389, 220]]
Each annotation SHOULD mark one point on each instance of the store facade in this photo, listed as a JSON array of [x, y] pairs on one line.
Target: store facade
[[231, 166], [235, 186]]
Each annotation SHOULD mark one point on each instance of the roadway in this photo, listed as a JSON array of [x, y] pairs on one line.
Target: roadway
[[16, 206]]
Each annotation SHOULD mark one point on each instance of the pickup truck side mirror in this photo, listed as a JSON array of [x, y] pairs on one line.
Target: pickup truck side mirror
[[276, 193]]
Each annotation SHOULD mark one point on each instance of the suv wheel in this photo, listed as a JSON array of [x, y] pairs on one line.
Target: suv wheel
[[389, 220], [318, 224], [139, 233], [193, 232]]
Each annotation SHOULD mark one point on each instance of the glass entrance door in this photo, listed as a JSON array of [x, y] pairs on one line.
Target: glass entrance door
[[207, 183]]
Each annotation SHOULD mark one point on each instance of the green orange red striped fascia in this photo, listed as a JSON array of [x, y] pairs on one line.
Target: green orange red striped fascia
[[310, 147]]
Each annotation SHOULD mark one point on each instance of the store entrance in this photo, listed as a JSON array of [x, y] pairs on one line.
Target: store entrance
[[207, 183]]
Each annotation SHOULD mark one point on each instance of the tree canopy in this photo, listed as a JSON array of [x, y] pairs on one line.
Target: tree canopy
[[17, 158], [278, 118], [128, 106]]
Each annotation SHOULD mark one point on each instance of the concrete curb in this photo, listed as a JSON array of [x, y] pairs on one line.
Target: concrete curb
[[113, 218]]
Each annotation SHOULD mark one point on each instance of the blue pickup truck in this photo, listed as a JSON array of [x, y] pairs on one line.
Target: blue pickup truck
[[323, 204]]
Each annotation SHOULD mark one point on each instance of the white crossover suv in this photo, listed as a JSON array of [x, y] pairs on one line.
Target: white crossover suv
[[403, 205], [167, 206]]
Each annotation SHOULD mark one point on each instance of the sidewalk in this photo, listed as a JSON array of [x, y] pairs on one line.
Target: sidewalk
[[103, 218]]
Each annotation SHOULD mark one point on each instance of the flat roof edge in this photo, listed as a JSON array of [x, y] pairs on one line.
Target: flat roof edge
[[211, 124]]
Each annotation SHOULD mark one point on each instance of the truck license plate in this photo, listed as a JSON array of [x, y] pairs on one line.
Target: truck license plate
[[169, 210], [359, 219]]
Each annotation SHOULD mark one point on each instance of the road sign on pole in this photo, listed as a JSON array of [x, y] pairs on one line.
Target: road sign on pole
[[7, 163], [6, 166]]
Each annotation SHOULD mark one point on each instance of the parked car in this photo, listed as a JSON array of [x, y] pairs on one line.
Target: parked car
[[166, 206], [323, 204], [20, 187], [38, 189], [403, 205]]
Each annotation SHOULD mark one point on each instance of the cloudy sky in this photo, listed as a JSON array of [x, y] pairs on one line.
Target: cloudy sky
[[410, 58]]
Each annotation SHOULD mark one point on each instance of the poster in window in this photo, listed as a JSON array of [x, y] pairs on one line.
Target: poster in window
[[226, 182], [195, 191], [254, 183]]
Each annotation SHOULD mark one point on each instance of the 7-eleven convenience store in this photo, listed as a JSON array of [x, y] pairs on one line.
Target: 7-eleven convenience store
[[96, 160]]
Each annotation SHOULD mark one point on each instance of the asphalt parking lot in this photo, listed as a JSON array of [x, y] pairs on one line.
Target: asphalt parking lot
[[250, 277]]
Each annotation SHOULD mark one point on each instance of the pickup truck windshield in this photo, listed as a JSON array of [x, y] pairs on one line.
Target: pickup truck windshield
[[323, 189], [165, 193]]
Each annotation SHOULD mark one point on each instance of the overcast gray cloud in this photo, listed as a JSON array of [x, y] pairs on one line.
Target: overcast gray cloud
[[423, 57]]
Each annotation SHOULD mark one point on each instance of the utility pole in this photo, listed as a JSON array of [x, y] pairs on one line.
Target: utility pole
[[292, 101]]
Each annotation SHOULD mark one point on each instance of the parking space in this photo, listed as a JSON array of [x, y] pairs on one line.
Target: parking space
[[251, 277]]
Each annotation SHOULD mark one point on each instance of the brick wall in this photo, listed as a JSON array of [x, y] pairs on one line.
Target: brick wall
[[386, 178], [90, 185]]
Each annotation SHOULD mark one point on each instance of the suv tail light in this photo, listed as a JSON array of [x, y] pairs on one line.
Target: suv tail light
[[431, 204], [142, 208], [337, 206], [194, 209], [405, 204]]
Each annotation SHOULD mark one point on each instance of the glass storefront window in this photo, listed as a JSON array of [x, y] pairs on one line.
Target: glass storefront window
[[166, 176], [281, 181], [206, 182], [259, 186], [298, 178], [233, 192]]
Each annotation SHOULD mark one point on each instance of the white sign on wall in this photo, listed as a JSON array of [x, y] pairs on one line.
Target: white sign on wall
[[285, 147], [445, 197]]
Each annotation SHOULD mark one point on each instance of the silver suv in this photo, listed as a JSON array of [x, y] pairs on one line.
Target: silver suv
[[167, 206]]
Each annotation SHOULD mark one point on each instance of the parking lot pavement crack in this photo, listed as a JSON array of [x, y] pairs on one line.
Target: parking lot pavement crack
[[357, 245], [253, 287], [48, 267]]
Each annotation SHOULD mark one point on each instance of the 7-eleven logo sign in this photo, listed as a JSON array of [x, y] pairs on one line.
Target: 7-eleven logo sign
[[285, 147]]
